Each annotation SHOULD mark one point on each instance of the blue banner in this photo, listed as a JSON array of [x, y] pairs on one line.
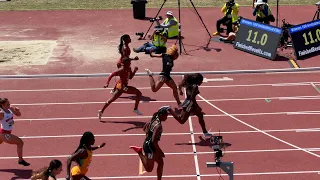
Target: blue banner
[[305, 26], [261, 26]]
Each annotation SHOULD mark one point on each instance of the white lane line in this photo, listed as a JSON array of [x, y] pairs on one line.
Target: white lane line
[[170, 154], [172, 134], [144, 117], [213, 86], [171, 101], [246, 124], [315, 87], [206, 175], [194, 148]]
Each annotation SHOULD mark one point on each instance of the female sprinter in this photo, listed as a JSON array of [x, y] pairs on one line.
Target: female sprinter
[[82, 156], [6, 117], [152, 151], [190, 106], [121, 86], [48, 173], [167, 64], [124, 51]]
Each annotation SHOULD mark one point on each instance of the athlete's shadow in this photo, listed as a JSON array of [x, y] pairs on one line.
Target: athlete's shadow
[[204, 142], [137, 124], [143, 98], [18, 173]]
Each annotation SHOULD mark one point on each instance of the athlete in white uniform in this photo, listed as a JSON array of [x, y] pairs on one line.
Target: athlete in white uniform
[[6, 117]]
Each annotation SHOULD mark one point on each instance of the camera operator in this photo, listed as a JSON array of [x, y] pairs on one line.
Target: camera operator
[[232, 35], [231, 11], [263, 12], [170, 25], [158, 44]]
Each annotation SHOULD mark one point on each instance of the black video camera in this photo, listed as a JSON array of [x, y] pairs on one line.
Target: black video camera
[[155, 19], [139, 34], [217, 145]]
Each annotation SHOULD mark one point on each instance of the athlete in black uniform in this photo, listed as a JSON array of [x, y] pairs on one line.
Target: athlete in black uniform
[[152, 151], [165, 78], [191, 83]]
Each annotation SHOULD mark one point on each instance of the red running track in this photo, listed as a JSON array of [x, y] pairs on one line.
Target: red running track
[[251, 112]]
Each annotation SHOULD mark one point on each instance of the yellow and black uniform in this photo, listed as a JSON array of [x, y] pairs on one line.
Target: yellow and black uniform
[[230, 11], [83, 165], [148, 146]]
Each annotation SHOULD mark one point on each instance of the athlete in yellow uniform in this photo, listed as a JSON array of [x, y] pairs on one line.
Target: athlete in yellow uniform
[[82, 156]]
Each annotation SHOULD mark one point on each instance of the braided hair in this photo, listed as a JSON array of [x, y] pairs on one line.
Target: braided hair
[[155, 116], [44, 173], [85, 139], [191, 79], [122, 39]]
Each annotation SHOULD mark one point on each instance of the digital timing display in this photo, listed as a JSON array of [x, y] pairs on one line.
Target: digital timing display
[[258, 38], [306, 39]]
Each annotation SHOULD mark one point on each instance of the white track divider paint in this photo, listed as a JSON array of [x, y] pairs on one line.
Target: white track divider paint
[[147, 88], [195, 155], [205, 175], [263, 132]]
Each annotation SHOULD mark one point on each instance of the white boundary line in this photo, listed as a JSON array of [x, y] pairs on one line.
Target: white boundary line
[[170, 154], [207, 175], [172, 134], [141, 88], [144, 117], [194, 148], [157, 73], [246, 124], [171, 101]]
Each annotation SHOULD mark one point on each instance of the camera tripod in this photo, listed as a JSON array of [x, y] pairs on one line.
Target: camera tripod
[[179, 35], [316, 14]]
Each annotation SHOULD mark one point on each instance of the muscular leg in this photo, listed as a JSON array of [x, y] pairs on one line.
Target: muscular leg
[[12, 139], [199, 114], [148, 163], [155, 86], [160, 162], [133, 90], [112, 99], [115, 96], [182, 117], [174, 88]]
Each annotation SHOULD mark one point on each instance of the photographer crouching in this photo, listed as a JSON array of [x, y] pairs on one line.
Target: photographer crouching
[[158, 44], [231, 11], [263, 12]]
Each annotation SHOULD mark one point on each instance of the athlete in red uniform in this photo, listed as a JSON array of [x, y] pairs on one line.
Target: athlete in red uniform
[[7, 122], [125, 73], [124, 51]]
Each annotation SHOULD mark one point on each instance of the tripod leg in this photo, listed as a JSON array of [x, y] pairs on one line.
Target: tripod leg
[[155, 17], [202, 23]]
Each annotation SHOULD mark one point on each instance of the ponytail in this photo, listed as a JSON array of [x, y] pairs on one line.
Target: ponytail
[[122, 39], [44, 173], [40, 174]]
